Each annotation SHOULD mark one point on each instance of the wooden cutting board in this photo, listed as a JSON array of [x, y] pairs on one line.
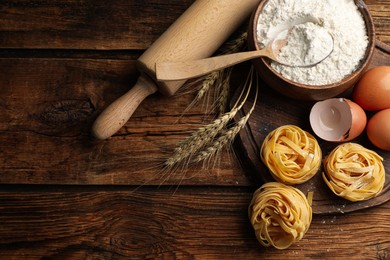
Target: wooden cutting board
[[273, 110]]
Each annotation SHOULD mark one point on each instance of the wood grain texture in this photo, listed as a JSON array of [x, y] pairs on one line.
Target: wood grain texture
[[86, 24], [103, 25], [48, 106], [380, 14], [188, 223]]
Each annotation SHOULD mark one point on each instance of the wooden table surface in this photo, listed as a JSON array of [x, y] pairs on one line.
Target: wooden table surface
[[65, 195]]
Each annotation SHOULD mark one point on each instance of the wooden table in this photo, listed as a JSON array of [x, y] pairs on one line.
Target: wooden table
[[65, 195]]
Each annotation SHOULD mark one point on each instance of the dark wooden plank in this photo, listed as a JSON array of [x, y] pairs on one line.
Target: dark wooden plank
[[188, 223], [86, 24], [102, 25], [47, 109]]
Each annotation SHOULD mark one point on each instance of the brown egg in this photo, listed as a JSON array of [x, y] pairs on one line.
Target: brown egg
[[359, 120], [337, 119], [372, 92], [378, 129]]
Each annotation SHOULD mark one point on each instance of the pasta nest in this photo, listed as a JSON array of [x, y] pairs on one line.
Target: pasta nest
[[292, 155], [354, 172], [280, 215]]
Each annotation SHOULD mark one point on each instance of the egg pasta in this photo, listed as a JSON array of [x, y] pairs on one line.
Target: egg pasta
[[354, 172], [280, 215], [291, 154]]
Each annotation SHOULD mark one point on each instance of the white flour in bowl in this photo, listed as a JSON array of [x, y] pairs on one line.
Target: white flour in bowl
[[307, 44], [341, 18]]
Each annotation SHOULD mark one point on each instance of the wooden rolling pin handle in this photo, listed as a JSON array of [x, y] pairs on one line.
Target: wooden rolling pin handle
[[120, 111]]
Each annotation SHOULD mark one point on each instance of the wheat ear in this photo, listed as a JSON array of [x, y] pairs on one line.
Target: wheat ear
[[200, 138], [227, 136], [206, 134], [207, 83], [224, 86], [223, 91]]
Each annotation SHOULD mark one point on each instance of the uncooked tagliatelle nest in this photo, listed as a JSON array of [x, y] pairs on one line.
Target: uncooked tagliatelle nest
[[354, 172], [280, 215], [291, 154]]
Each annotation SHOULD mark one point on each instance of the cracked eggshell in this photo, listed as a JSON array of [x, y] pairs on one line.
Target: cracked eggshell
[[337, 119]]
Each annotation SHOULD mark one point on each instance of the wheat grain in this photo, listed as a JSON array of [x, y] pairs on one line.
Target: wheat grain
[[200, 138], [207, 84], [204, 141], [206, 134], [223, 91], [227, 136]]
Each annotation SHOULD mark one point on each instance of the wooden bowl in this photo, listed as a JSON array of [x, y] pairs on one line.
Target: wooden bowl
[[309, 92]]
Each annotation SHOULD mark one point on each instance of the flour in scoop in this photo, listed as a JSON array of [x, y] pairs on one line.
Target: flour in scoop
[[341, 18], [307, 44]]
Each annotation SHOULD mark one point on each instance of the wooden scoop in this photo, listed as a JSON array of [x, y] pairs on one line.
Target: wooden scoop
[[166, 71]]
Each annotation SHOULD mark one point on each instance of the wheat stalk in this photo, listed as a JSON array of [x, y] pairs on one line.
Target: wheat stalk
[[204, 141], [224, 86], [226, 137], [207, 83], [204, 135], [200, 138], [223, 92]]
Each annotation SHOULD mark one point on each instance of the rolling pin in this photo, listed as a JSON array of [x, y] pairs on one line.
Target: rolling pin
[[196, 34]]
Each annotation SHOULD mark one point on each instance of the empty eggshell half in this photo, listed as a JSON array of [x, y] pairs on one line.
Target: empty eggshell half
[[337, 119]]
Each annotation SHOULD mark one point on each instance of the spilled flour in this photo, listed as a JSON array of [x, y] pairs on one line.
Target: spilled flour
[[341, 18]]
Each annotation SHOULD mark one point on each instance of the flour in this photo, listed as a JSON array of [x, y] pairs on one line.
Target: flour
[[307, 44], [340, 18]]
